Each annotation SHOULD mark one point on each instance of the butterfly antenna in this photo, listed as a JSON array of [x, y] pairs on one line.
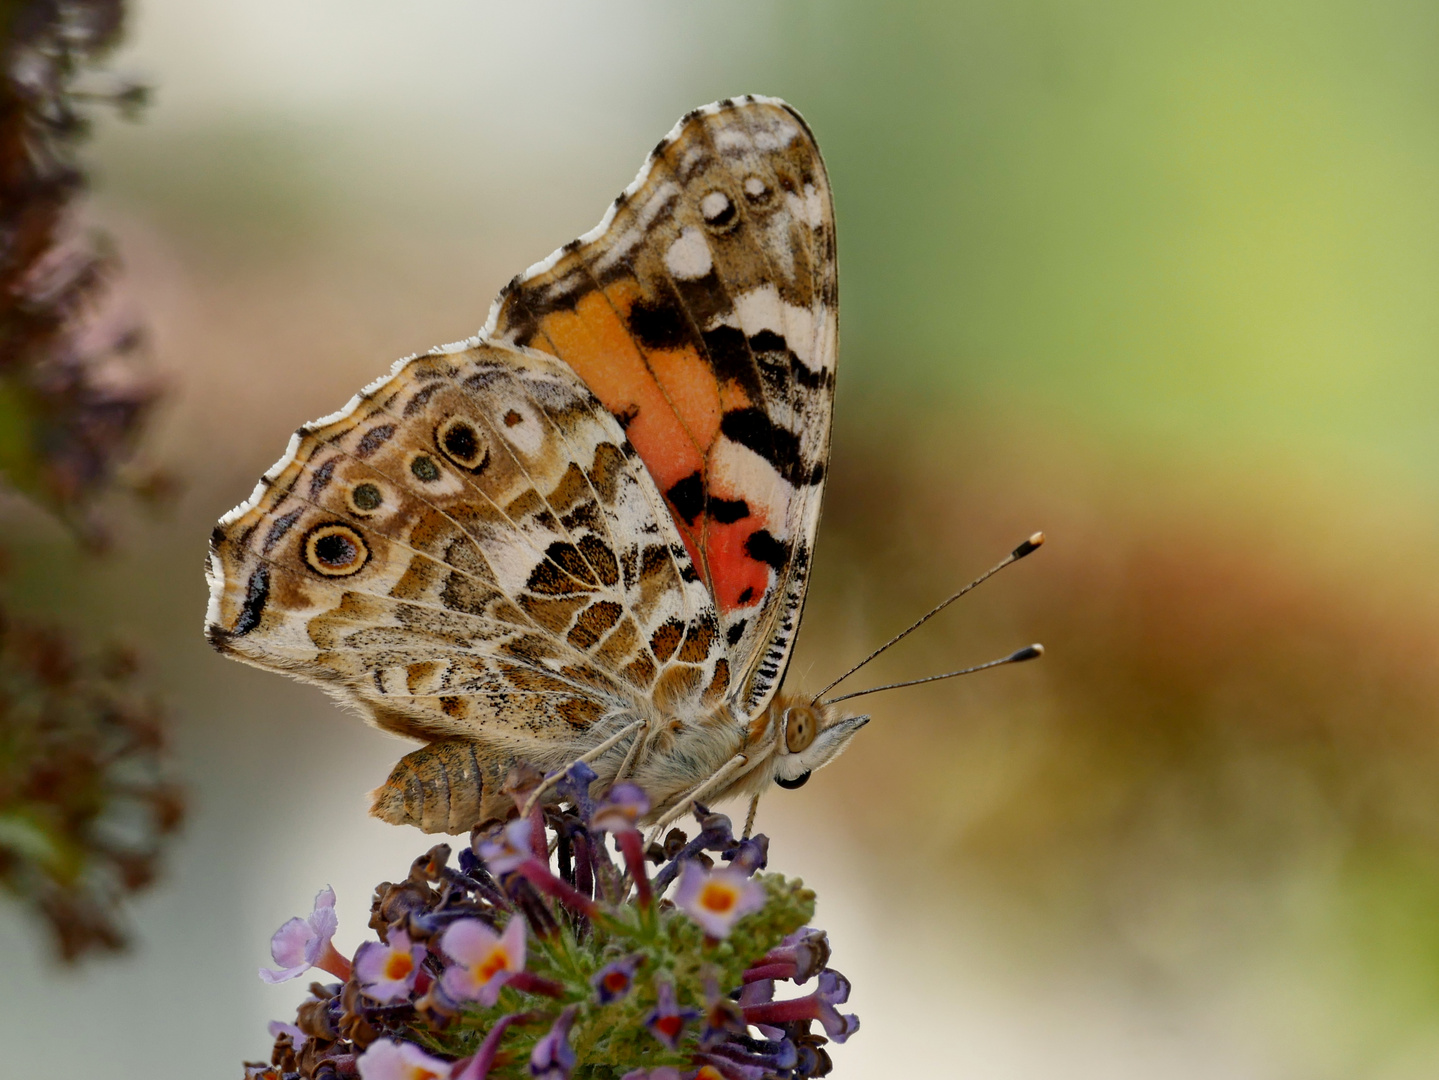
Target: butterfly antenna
[[1014, 556], [1029, 652]]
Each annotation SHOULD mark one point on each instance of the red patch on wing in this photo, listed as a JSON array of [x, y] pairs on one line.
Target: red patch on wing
[[739, 579]]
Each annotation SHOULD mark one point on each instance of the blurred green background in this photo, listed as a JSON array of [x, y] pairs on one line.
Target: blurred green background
[[1157, 279]]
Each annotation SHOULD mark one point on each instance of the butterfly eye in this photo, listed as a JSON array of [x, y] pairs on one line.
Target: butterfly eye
[[335, 551], [461, 443], [423, 467], [365, 498], [799, 729]]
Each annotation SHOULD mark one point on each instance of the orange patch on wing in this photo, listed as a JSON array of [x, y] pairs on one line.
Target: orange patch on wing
[[690, 385]]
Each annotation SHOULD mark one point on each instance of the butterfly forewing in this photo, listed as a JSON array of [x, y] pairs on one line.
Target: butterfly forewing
[[702, 314]]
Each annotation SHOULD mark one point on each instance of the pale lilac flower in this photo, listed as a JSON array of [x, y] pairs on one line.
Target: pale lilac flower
[[302, 944], [553, 1056], [297, 1037], [831, 990], [388, 1060], [667, 1021], [387, 972], [664, 1072], [621, 809], [483, 959], [615, 979], [717, 898], [512, 848]]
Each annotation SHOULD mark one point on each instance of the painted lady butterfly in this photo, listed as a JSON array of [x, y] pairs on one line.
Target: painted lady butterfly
[[587, 531]]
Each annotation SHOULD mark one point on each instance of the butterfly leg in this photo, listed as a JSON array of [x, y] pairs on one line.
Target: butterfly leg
[[633, 755], [588, 756], [749, 818], [724, 773]]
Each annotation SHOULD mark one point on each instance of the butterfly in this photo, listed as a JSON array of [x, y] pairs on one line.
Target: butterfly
[[585, 533]]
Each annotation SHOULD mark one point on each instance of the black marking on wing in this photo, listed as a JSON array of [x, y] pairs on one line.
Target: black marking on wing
[[659, 325], [277, 531], [730, 358], [257, 594], [763, 546], [754, 430], [320, 478], [727, 511], [687, 496], [373, 440]]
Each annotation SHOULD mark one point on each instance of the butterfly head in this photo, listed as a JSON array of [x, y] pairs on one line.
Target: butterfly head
[[805, 735]]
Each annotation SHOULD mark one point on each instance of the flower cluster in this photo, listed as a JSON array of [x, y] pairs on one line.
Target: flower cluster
[[553, 950], [72, 397], [84, 797]]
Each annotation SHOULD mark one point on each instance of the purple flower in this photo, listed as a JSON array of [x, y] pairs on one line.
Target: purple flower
[[664, 1072], [833, 989], [553, 1057], [614, 980], [302, 944], [575, 787], [505, 853], [717, 898], [621, 809], [388, 971], [387, 1060], [667, 1021], [483, 959], [297, 1037], [798, 957]]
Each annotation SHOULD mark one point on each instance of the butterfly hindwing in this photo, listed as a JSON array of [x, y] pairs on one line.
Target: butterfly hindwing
[[470, 549], [702, 314]]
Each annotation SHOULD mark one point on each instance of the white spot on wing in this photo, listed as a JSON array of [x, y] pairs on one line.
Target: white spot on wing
[[730, 138], [626, 242], [714, 204], [808, 208], [665, 194], [689, 256], [760, 309], [775, 136]]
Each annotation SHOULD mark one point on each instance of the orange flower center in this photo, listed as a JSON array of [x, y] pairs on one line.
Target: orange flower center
[[717, 897], [670, 1026], [399, 966], [497, 961], [616, 981]]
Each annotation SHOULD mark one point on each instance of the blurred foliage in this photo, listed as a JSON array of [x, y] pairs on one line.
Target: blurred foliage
[[1222, 770], [84, 799], [72, 401]]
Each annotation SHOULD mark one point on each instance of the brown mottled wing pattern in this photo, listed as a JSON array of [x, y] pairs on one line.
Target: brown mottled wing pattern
[[471, 548], [702, 313]]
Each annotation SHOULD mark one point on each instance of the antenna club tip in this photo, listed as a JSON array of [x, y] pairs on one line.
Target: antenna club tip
[[1029, 652], [1028, 546]]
